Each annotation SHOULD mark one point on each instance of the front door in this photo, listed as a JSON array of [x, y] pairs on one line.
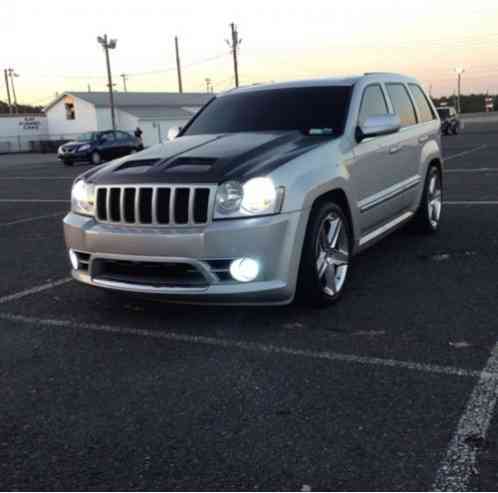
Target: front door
[[375, 171]]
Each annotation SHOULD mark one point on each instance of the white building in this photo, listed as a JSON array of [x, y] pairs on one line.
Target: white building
[[154, 112], [18, 132]]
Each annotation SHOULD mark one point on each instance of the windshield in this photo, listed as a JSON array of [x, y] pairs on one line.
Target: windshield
[[87, 136], [443, 113], [313, 110]]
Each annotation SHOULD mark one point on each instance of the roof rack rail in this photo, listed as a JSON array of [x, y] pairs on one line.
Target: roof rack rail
[[382, 73]]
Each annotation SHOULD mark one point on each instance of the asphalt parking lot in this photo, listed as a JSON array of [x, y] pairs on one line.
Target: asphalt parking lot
[[392, 389]]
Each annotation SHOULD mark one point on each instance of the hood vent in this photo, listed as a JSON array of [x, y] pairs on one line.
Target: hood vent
[[187, 164], [138, 165]]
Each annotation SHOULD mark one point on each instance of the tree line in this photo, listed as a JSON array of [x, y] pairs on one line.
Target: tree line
[[470, 103]]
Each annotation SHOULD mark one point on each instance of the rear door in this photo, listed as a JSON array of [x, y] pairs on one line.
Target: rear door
[[124, 143], [107, 145], [404, 146]]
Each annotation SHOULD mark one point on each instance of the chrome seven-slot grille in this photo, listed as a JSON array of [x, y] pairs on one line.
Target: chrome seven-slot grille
[[154, 205]]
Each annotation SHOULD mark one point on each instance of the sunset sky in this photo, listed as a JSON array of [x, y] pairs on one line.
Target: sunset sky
[[52, 44]]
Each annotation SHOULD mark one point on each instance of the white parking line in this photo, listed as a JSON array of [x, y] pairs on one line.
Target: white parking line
[[37, 289], [472, 170], [470, 202], [464, 153], [37, 177], [255, 346], [460, 461], [14, 201], [30, 219]]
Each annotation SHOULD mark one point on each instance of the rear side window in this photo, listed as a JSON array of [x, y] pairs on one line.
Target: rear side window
[[108, 137], [424, 108], [402, 104], [122, 136], [373, 103]]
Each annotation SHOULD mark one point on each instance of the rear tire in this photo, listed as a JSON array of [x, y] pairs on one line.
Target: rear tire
[[326, 256], [428, 216]]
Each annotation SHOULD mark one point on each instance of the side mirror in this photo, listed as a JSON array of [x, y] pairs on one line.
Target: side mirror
[[173, 132], [375, 126]]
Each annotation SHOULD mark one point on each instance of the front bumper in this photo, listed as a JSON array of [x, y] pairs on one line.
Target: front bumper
[[74, 156], [275, 241]]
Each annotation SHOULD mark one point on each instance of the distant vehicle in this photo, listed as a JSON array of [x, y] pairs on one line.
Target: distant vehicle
[[450, 122], [97, 147], [265, 195]]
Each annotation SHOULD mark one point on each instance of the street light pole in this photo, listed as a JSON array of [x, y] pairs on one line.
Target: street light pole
[[109, 45], [459, 72]]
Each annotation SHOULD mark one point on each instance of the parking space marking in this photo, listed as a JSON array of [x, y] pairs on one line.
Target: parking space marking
[[256, 346], [37, 289], [460, 461], [33, 200], [30, 219], [470, 202], [37, 177], [465, 153], [472, 170]]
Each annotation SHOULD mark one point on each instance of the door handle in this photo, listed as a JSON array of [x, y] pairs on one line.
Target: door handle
[[395, 149], [423, 139]]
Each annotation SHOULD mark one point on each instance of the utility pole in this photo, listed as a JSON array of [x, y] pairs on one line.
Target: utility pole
[[209, 87], [234, 46], [13, 74], [125, 78], [89, 88], [178, 66], [459, 72], [8, 90], [109, 45]]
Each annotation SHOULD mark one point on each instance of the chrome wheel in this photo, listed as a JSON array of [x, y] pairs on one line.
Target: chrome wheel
[[332, 254], [434, 200], [96, 159]]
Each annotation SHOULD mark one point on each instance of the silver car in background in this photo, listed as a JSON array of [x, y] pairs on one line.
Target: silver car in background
[[265, 196]]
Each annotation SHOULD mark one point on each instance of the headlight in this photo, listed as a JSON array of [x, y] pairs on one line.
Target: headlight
[[83, 198], [84, 147], [256, 197]]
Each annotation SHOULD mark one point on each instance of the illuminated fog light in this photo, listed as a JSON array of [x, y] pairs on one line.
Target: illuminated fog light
[[74, 259], [244, 269]]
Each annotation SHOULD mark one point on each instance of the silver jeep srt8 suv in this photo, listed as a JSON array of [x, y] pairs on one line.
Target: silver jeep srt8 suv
[[266, 194]]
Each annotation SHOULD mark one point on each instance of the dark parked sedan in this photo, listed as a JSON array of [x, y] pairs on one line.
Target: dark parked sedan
[[450, 122], [97, 147]]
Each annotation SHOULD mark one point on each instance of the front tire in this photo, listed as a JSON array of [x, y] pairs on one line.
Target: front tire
[[428, 216], [96, 158], [326, 255]]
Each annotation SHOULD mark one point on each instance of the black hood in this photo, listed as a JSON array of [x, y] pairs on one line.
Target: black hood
[[207, 158]]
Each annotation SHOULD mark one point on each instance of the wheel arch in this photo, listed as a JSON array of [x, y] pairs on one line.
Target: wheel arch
[[338, 196]]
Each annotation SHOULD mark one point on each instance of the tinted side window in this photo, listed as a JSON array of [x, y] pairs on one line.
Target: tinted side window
[[107, 137], [424, 109], [122, 136], [373, 103], [402, 104]]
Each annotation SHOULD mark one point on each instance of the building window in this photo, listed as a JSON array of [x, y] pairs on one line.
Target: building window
[[69, 107]]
